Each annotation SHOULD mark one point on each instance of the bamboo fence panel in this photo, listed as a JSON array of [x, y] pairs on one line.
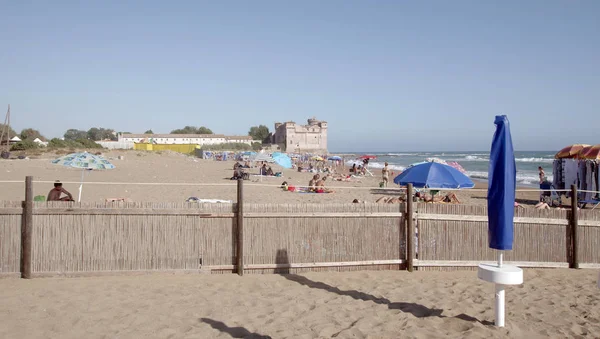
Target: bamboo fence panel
[[10, 238], [462, 240], [589, 236], [298, 239], [123, 242]]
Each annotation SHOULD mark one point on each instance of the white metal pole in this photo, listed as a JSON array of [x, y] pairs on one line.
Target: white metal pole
[[499, 305], [81, 185]]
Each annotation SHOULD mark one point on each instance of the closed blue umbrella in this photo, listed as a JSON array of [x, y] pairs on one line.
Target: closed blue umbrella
[[433, 175], [501, 187], [501, 209]]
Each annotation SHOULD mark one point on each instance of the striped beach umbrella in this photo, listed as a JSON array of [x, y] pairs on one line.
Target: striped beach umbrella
[[590, 152], [570, 151]]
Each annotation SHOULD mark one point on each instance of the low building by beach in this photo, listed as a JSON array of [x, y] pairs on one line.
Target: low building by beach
[[181, 139], [292, 137]]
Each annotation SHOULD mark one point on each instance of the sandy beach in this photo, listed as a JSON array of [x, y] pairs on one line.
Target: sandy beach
[[556, 303], [138, 177]]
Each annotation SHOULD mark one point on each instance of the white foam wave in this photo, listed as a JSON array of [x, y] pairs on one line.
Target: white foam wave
[[534, 160], [400, 154], [523, 178]]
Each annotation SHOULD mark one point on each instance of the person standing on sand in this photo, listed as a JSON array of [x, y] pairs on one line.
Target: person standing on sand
[[385, 172], [57, 191]]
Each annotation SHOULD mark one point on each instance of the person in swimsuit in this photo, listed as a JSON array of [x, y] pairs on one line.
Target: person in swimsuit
[[385, 173]]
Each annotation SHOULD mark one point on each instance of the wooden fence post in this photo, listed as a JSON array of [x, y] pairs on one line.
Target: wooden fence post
[[26, 227], [574, 222], [410, 228], [240, 227]]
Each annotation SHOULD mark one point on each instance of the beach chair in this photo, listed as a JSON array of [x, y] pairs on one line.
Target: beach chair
[[549, 194], [583, 203]]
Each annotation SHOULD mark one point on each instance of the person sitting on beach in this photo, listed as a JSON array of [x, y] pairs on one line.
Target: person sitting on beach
[[57, 191], [312, 184], [353, 169], [320, 186], [270, 171], [263, 169]]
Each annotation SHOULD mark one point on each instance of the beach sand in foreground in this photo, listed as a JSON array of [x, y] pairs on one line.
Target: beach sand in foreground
[[175, 170], [555, 303]]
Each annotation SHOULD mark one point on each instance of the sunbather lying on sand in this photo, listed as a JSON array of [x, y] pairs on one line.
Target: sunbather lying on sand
[[449, 198]]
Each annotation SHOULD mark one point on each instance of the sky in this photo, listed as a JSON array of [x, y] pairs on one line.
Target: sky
[[385, 75]]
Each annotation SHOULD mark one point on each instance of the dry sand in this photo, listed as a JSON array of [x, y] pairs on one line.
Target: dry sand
[[173, 168], [557, 303]]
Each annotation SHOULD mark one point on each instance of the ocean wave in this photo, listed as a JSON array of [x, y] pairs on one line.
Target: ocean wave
[[548, 160], [400, 154], [523, 178], [376, 165]]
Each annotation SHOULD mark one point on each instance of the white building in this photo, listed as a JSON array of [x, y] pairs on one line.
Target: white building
[[179, 139]]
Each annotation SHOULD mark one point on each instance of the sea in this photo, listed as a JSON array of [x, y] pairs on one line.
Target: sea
[[476, 164]]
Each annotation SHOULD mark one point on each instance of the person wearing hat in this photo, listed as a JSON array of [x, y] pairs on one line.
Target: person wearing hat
[[57, 191]]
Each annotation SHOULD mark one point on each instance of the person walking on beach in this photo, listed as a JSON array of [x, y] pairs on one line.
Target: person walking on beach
[[542, 174], [57, 191], [385, 172]]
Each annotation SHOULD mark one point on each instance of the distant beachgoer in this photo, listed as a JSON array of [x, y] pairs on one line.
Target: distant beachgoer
[[57, 191], [263, 169], [270, 171], [542, 174], [353, 169], [312, 184], [385, 173]]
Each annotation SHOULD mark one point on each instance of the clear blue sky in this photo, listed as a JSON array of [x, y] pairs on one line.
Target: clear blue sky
[[386, 75]]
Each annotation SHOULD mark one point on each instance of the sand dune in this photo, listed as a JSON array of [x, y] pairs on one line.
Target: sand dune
[[386, 304]]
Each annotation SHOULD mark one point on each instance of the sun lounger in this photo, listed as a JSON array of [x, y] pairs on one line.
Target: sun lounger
[[583, 203]]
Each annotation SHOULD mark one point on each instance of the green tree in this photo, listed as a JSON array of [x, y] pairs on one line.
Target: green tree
[[185, 130], [97, 134], [256, 146], [260, 132], [74, 134], [192, 130], [24, 145], [31, 134], [149, 132], [204, 130], [11, 132]]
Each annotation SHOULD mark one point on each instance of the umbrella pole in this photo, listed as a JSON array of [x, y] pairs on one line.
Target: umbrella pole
[[81, 185], [499, 306]]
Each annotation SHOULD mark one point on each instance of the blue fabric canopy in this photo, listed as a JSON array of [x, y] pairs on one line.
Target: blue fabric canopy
[[335, 158], [501, 187], [282, 160], [433, 175]]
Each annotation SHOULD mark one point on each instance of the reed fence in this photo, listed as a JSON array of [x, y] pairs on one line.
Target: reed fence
[[66, 238]]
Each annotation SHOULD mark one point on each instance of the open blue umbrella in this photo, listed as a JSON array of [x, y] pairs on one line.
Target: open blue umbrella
[[501, 209], [335, 158], [282, 160], [433, 175]]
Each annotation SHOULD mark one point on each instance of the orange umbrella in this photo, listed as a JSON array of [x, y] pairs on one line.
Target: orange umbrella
[[590, 152], [570, 151]]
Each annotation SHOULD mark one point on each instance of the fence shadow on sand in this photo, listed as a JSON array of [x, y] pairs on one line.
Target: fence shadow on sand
[[417, 310], [234, 332]]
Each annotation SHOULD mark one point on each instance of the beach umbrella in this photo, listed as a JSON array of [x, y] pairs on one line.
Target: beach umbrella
[[262, 157], [335, 158], [590, 152], [433, 175], [501, 209], [84, 161], [570, 151], [282, 160], [317, 158]]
